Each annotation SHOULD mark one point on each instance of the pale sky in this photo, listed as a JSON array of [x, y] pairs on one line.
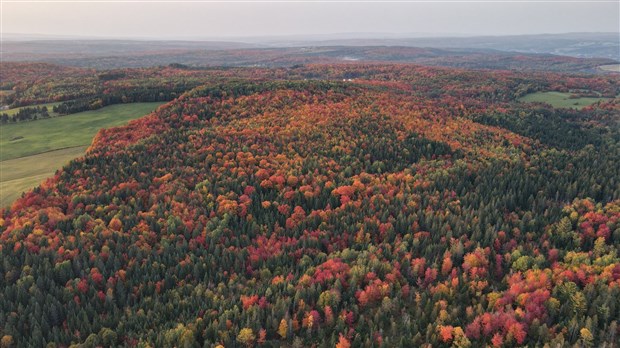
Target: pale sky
[[194, 19]]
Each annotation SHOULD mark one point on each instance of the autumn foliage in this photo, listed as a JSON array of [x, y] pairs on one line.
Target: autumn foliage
[[288, 207]]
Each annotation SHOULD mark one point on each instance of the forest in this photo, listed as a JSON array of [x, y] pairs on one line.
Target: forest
[[320, 205]]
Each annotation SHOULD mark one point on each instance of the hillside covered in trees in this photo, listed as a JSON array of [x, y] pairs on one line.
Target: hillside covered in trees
[[348, 205], [560, 53]]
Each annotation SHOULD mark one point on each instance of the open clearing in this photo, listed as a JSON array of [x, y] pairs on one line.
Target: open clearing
[[30, 138], [22, 174], [559, 99], [32, 151], [610, 67]]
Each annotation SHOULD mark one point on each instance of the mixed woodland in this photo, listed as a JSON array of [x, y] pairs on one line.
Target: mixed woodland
[[321, 205]]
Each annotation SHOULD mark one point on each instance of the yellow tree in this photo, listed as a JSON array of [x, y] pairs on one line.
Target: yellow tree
[[6, 341], [246, 336], [283, 329], [586, 337]]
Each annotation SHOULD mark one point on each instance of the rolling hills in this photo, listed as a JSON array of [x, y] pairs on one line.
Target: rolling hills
[[471, 53], [323, 205]]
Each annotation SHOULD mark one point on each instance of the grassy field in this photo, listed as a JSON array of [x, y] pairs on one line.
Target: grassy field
[[22, 174], [33, 151], [610, 67], [50, 107], [559, 99], [30, 138]]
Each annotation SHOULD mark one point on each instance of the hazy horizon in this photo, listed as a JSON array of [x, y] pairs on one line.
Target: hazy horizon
[[327, 36], [185, 20]]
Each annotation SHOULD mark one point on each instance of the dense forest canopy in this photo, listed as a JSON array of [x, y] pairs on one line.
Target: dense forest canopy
[[353, 205]]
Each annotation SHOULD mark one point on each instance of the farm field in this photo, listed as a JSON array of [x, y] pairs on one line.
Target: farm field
[[559, 100], [33, 151], [610, 67], [20, 174], [30, 138]]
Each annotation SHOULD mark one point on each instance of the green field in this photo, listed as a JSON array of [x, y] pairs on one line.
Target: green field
[[559, 99], [33, 151], [30, 138], [21, 174]]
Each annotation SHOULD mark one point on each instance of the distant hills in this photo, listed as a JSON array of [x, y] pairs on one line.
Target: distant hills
[[44, 50], [584, 45], [531, 52]]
